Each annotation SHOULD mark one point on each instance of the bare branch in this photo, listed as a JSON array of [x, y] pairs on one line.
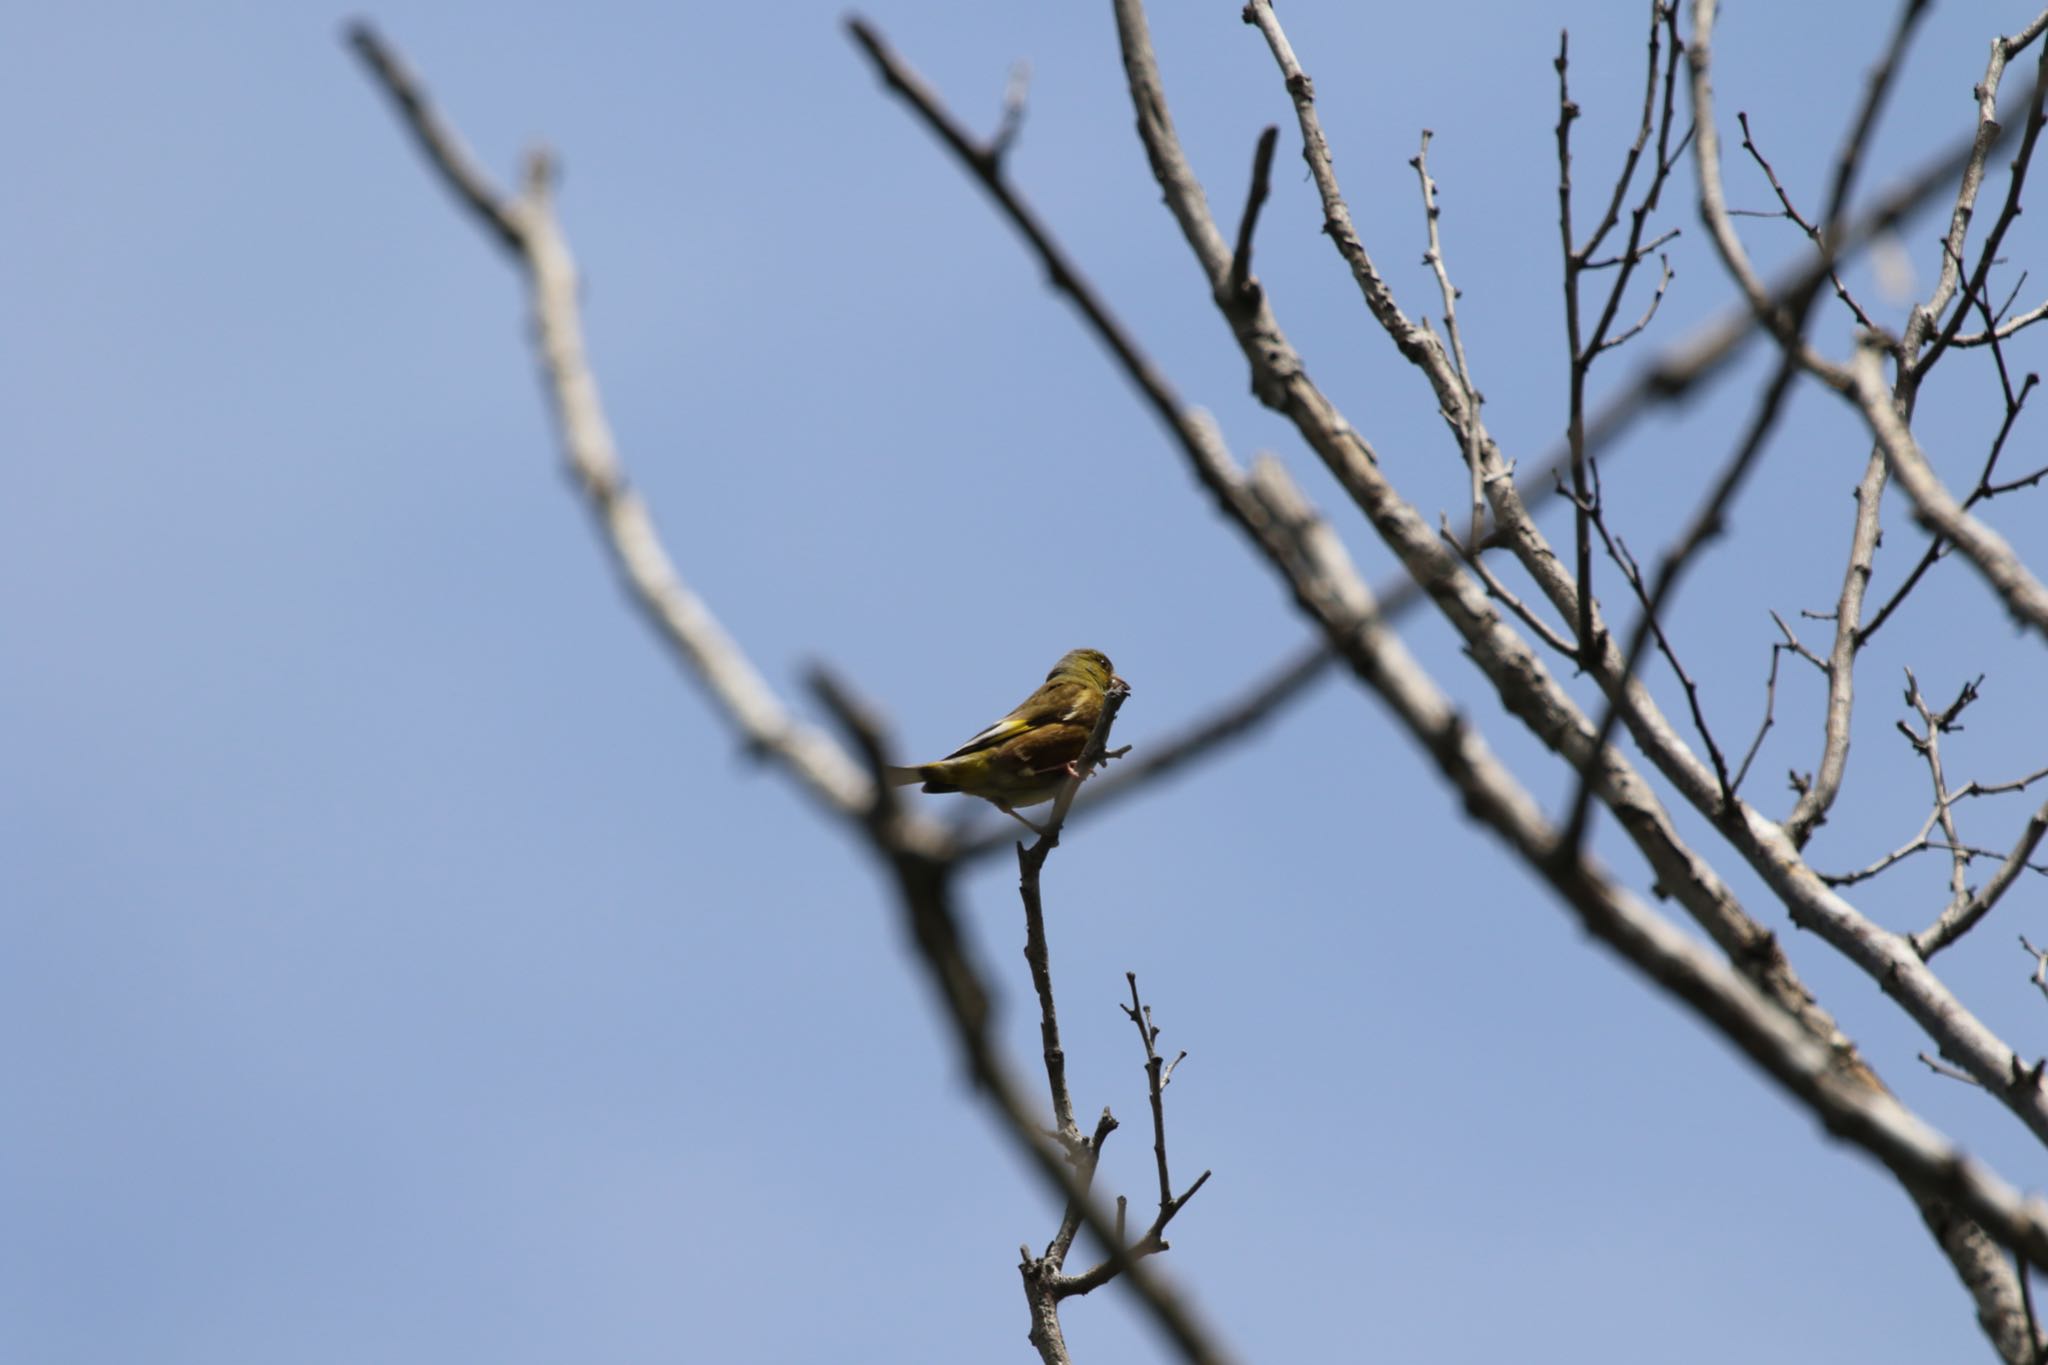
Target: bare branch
[[1770, 707], [1697, 359], [1852, 1108], [1811, 810], [1158, 1072], [1618, 551], [2008, 211], [1649, 314], [1499, 592], [1958, 920], [1583, 350], [1788, 210], [2003, 329], [1935, 506], [1434, 258], [1520, 680], [1928, 744], [1984, 491], [1184, 195]]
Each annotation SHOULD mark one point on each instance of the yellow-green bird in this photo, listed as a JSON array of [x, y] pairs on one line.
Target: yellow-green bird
[[1024, 758]]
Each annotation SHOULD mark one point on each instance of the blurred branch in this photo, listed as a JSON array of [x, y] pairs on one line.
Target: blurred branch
[[442, 145], [525, 226]]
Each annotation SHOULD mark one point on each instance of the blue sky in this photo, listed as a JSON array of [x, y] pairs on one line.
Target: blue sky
[[399, 963]]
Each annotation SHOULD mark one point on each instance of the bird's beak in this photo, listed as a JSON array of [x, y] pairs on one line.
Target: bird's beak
[[1119, 682]]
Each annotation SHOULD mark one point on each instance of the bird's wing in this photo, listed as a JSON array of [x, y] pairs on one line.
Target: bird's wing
[[1052, 704], [1049, 748], [1008, 728]]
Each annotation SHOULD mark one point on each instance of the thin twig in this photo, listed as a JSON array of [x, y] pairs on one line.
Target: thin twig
[[2040, 956], [1255, 199], [1941, 1068], [1764, 728], [1158, 1072], [1016, 99], [1434, 259], [1958, 920], [1789, 210], [1499, 592], [1030, 864], [1706, 525], [1633, 574]]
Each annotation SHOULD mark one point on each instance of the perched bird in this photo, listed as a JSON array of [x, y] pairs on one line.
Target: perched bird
[[1024, 758]]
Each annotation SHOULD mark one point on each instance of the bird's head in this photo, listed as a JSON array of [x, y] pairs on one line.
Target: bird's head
[[1089, 666]]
